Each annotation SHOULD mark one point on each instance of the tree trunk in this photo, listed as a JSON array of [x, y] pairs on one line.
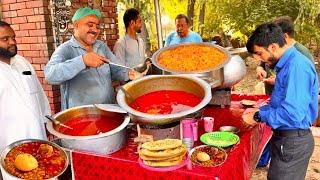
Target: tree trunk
[[201, 17], [190, 12]]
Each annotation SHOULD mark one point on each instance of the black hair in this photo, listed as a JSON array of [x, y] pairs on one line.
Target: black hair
[[129, 15], [286, 24], [264, 35], [4, 24], [180, 16]]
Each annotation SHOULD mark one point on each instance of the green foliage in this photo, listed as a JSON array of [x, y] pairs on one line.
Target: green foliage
[[238, 18]]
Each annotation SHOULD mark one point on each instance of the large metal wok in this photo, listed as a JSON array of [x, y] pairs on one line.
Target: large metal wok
[[214, 76], [225, 75], [104, 143], [153, 83]]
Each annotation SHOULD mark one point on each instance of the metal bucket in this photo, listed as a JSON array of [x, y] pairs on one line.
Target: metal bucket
[[153, 83], [104, 143]]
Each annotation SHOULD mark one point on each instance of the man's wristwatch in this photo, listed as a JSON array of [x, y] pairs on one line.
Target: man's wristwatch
[[257, 116]]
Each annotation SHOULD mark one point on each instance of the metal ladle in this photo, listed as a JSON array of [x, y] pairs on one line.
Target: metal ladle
[[56, 122], [127, 94]]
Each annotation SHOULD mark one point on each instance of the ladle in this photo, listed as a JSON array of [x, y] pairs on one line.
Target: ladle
[[57, 122], [127, 94]]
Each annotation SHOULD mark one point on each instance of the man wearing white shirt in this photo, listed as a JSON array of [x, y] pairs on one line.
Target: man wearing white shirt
[[23, 103], [130, 49]]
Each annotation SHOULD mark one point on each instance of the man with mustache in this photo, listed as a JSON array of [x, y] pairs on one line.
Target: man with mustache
[[23, 103], [182, 34], [130, 49], [80, 65], [293, 104]]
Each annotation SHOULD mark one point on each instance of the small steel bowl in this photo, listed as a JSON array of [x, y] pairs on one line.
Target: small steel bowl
[[232, 129]]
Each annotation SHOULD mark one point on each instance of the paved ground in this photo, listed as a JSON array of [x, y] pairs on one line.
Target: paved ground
[[247, 86]]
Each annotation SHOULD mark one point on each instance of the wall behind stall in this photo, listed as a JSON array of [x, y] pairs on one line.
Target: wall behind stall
[[31, 20]]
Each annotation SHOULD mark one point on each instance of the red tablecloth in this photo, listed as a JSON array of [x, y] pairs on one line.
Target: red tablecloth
[[241, 161]]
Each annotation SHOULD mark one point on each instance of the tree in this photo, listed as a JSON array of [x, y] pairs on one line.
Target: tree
[[190, 12]]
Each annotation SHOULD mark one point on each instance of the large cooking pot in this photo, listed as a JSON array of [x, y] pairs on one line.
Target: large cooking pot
[[227, 74], [214, 76], [7, 176], [104, 143], [153, 83], [233, 72]]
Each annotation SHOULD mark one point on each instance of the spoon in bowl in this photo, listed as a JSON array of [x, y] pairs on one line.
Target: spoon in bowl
[[54, 121]]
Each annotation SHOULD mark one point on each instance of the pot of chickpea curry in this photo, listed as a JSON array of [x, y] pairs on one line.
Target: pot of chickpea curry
[[33, 159]]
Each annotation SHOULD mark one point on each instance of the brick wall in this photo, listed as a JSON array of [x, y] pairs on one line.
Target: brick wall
[[31, 21]]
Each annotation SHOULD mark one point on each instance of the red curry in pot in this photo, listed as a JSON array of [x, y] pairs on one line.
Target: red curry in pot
[[165, 102], [51, 161], [91, 124]]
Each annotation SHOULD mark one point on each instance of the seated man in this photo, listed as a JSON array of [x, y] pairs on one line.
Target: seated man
[[182, 34]]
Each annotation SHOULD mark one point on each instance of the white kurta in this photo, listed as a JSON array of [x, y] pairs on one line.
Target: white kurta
[[23, 103]]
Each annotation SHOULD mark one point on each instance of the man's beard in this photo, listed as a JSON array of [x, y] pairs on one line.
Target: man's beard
[[7, 53], [272, 62], [138, 30]]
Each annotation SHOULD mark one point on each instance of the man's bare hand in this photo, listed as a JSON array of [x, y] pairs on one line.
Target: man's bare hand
[[132, 74], [94, 60], [261, 73], [248, 114], [270, 80]]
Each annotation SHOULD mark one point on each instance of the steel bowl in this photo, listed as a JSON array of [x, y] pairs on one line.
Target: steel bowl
[[225, 75], [214, 76], [153, 83], [8, 176], [103, 143], [232, 129]]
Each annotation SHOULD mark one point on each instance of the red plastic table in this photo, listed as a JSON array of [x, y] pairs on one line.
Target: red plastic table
[[241, 161]]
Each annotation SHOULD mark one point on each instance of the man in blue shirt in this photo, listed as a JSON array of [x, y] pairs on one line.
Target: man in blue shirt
[[80, 65], [293, 105], [182, 34]]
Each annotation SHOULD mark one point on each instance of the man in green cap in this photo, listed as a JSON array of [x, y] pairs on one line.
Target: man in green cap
[[80, 65]]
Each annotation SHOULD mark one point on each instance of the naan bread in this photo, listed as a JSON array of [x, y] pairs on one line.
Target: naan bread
[[162, 144], [169, 158], [163, 163], [164, 153]]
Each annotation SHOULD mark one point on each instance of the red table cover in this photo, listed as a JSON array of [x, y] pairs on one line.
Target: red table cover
[[241, 161]]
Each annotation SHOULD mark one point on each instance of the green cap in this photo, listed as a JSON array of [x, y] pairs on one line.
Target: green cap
[[86, 11]]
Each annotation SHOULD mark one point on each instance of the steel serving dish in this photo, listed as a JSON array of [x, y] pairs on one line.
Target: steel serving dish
[[214, 76], [104, 143], [8, 176], [232, 129], [153, 83], [228, 73]]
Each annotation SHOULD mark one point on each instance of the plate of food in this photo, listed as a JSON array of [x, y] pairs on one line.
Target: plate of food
[[33, 159], [163, 155], [207, 156], [219, 139], [247, 103]]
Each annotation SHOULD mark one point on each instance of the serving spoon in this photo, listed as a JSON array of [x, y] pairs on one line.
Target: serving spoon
[[54, 121]]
